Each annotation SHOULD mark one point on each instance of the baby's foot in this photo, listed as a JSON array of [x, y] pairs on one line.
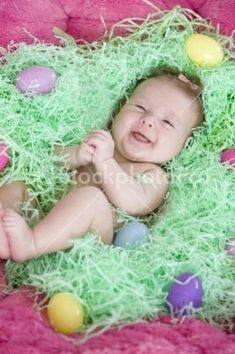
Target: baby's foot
[[4, 247], [20, 236]]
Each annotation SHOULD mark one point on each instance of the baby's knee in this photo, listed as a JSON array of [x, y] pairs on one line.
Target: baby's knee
[[94, 194], [102, 221]]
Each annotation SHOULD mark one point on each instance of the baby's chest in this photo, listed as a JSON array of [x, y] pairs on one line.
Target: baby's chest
[[88, 176]]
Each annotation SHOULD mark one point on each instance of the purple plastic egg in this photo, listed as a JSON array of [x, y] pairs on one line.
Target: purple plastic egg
[[185, 291], [36, 80], [230, 247], [228, 156]]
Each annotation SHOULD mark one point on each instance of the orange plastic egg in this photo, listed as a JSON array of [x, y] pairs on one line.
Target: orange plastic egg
[[65, 313]]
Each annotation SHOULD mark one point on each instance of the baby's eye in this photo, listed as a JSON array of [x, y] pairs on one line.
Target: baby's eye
[[140, 107], [168, 122]]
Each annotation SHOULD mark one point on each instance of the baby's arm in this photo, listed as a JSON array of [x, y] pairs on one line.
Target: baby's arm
[[123, 190], [77, 155], [67, 151], [129, 194]]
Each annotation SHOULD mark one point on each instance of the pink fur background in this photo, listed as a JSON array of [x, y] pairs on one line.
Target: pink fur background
[[81, 18], [23, 329]]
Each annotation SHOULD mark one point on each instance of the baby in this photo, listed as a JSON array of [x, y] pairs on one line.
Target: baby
[[150, 129]]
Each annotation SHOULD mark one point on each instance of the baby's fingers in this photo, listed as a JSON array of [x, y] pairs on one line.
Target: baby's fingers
[[95, 135], [89, 148], [101, 132], [94, 141]]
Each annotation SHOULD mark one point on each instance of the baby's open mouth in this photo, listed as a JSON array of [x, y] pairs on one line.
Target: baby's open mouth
[[140, 137]]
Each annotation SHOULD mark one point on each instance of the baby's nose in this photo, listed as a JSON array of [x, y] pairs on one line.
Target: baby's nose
[[147, 121]]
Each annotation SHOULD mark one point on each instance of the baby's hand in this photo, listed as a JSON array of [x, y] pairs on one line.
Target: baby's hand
[[103, 143], [84, 154]]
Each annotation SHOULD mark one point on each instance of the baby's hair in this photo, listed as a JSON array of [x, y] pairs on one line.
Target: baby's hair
[[164, 70]]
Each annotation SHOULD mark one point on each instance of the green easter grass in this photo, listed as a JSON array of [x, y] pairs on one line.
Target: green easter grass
[[190, 229]]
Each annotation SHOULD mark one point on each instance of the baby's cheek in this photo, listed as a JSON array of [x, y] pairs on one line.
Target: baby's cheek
[[179, 146], [172, 148]]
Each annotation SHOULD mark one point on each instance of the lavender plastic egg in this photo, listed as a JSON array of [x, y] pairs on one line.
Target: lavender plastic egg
[[186, 291], [132, 235], [230, 247], [36, 80], [228, 156]]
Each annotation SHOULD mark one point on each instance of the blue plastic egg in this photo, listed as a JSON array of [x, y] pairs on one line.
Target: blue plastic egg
[[131, 235], [36, 80], [185, 291]]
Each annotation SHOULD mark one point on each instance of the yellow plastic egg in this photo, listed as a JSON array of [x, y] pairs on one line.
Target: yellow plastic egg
[[65, 313], [204, 50]]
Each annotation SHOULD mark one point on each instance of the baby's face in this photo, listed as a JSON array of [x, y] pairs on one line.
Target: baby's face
[[155, 122]]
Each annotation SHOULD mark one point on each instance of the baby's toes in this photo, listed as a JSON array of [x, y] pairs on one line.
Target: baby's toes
[[9, 213], [7, 224], [8, 217]]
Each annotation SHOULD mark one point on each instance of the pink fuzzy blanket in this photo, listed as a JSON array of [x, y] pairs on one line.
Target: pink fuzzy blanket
[[82, 18], [22, 329], [25, 331]]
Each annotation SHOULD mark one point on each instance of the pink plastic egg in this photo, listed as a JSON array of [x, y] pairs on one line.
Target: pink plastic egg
[[36, 80], [228, 156], [4, 158]]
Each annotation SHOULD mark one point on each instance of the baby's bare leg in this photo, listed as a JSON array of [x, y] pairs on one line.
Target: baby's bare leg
[[82, 210], [10, 196]]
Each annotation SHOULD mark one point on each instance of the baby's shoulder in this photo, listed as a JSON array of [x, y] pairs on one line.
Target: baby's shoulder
[[146, 168], [153, 174]]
